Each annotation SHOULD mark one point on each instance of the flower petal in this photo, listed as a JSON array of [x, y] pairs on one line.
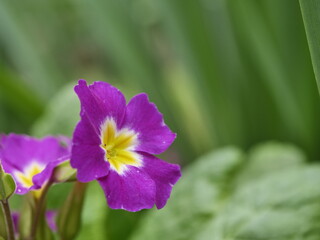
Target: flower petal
[[133, 191], [144, 118], [19, 151], [87, 156], [164, 174], [51, 220], [99, 101], [41, 178]]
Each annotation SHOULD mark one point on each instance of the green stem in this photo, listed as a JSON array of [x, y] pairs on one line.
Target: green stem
[[8, 219], [38, 211], [69, 216]]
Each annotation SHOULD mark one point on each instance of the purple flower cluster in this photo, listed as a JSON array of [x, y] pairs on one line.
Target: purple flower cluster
[[113, 143]]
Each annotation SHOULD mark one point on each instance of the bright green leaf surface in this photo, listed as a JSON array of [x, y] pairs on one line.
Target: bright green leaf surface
[[224, 196], [7, 185]]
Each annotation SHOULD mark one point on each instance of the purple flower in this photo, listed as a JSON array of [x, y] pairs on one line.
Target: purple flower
[[114, 143], [31, 161]]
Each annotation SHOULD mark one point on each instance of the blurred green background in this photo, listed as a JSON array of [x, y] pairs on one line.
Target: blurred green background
[[223, 72]]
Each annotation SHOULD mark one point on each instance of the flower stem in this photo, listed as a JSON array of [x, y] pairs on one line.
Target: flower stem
[[39, 210], [69, 216], [8, 219]]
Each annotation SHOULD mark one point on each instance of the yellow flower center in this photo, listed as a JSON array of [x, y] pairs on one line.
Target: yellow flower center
[[25, 177], [119, 146]]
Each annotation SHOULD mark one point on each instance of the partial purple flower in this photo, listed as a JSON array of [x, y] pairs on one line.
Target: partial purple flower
[[31, 161], [114, 143], [15, 218], [50, 218]]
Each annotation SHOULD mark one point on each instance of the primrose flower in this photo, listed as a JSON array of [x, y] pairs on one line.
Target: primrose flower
[[114, 143], [31, 161]]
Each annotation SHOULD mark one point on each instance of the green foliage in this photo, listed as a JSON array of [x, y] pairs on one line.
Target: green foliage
[[44, 231], [222, 72], [310, 12], [69, 216], [3, 230], [7, 185], [94, 214], [269, 194]]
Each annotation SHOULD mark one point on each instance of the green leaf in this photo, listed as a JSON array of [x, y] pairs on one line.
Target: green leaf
[[271, 194], [310, 12], [3, 229], [270, 157], [7, 185]]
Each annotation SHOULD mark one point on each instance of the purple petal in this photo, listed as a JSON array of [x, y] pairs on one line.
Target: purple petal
[[132, 192], [87, 156], [99, 101], [143, 117], [41, 178], [51, 219], [66, 142], [15, 218], [164, 174], [19, 151]]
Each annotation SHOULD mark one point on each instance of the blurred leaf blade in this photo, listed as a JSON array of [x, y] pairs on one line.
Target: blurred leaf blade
[[39, 70], [310, 12]]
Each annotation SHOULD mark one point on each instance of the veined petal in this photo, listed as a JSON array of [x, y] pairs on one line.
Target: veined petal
[[91, 164], [125, 139], [99, 101], [143, 117], [108, 132], [86, 154], [124, 159], [41, 178], [164, 174], [133, 191]]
